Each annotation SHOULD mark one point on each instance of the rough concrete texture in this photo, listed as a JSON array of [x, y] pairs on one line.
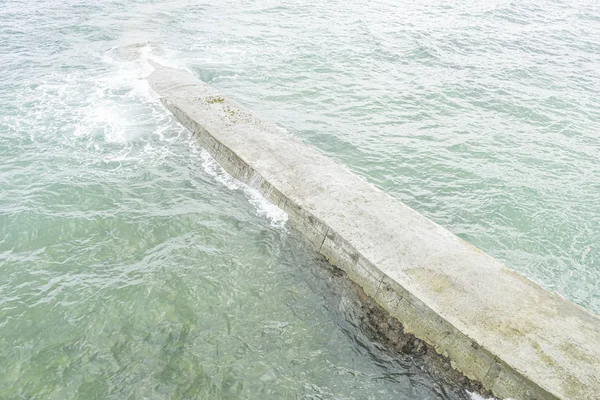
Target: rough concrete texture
[[497, 327]]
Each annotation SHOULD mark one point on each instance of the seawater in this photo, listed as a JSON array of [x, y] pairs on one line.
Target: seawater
[[132, 266]]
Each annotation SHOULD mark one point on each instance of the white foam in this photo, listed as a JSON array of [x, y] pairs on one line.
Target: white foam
[[264, 208], [131, 62], [475, 396]]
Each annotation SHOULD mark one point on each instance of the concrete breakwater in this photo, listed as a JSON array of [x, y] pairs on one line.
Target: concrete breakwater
[[496, 327]]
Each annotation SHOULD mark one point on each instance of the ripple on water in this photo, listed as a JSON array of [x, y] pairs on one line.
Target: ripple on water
[[132, 266]]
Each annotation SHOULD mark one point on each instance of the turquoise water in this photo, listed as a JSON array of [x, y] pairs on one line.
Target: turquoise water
[[132, 267]]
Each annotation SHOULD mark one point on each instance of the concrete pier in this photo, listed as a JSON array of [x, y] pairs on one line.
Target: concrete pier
[[497, 327]]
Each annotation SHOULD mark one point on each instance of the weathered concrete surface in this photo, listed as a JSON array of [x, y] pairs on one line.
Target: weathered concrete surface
[[497, 327]]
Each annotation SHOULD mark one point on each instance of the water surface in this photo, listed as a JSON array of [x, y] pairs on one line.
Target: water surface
[[131, 266]]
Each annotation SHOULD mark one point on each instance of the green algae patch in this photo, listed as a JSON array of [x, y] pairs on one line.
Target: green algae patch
[[215, 100]]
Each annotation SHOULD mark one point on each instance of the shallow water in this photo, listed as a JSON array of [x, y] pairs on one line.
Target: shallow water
[[131, 266]]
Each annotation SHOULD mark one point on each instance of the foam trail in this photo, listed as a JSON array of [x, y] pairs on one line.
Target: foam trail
[[264, 208], [475, 396], [133, 62]]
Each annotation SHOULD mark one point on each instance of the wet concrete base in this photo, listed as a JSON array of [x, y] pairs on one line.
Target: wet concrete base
[[380, 327]]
